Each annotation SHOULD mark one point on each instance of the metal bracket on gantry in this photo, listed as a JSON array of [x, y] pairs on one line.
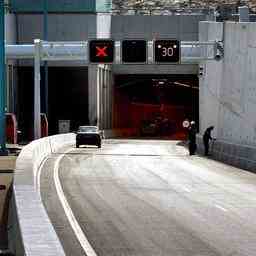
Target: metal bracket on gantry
[[64, 51], [49, 51], [195, 51]]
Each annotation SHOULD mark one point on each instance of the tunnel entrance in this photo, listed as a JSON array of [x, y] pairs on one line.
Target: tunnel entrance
[[154, 106], [67, 98]]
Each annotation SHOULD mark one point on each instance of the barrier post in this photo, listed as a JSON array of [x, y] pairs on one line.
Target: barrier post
[[37, 95]]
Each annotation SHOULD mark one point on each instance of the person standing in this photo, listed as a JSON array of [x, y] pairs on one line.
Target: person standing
[[192, 138], [206, 138]]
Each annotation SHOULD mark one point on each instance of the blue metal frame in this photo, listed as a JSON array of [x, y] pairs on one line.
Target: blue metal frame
[[57, 6]]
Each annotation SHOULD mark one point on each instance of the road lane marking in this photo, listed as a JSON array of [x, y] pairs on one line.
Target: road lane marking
[[186, 189], [221, 208], [80, 152], [38, 176], [89, 251]]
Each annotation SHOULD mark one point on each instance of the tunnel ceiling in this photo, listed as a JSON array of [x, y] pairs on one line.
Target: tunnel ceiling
[[158, 89]]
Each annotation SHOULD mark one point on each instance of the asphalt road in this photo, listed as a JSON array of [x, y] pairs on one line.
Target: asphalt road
[[137, 198]]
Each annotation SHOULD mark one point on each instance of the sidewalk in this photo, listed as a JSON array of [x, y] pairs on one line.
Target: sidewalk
[[7, 166], [7, 163]]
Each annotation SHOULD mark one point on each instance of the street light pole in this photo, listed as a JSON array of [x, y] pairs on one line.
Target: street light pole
[[3, 150], [45, 63], [37, 95]]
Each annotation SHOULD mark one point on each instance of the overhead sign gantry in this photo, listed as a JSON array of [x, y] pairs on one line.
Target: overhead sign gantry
[[120, 52], [135, 51]]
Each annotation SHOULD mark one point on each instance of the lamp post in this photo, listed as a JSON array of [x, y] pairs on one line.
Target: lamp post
[[3, 150], [45, 36]]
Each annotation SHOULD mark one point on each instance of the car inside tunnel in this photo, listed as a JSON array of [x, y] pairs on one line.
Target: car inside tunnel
[[154, 106], [67, 98]]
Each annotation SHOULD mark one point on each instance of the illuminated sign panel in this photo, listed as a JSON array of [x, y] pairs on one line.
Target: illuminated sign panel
[[134, 51], [167, 51], [101, 51]]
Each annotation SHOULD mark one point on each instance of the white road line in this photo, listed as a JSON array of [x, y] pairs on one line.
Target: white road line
[[38, 176], [186, 189], [89, 251], [221, 208]]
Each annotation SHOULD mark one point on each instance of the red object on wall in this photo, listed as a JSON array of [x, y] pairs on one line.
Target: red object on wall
[[44, 125], [11, 128]]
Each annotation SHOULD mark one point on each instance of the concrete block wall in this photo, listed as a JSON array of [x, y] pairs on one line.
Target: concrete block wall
[[61, 27], [228, 93], [238, 107], [78, 27], [182, 27]]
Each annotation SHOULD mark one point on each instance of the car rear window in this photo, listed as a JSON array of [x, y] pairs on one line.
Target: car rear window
[[87, 129]]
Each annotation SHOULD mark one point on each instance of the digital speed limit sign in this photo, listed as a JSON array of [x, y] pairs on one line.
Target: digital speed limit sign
[[167, 51]]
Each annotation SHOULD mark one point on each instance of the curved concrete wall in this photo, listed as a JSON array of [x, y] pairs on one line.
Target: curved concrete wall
[[32, 232]]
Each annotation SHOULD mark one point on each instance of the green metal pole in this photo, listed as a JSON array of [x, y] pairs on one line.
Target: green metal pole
[[3, 150]]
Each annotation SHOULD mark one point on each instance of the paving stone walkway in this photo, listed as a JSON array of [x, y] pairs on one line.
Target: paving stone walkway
[[7, 166]]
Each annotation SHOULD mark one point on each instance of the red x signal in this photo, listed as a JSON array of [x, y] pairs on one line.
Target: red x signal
[[101, 51]]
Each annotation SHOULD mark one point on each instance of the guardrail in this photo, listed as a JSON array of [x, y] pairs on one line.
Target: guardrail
[[31, 232], [238, 155]]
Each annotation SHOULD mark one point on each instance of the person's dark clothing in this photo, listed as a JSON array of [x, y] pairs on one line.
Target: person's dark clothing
[[206, 138], [192, 140], [206, 147]]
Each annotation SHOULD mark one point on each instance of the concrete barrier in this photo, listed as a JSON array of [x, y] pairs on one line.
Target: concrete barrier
[[31, 232], [241, 156]]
